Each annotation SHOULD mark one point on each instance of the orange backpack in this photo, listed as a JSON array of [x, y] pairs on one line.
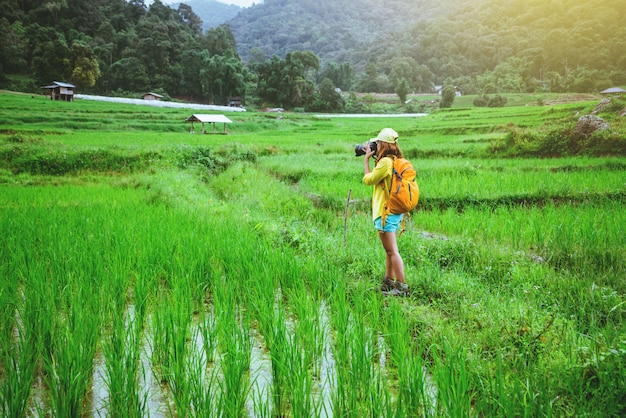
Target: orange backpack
[[404, 192]]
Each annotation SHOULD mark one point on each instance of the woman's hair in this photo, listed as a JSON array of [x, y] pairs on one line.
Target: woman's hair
[[385, 148]]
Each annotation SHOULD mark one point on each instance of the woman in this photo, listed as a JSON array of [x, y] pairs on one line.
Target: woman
[[386, 148]]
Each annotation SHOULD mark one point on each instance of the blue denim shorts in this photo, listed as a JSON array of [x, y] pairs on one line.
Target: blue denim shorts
[[392, 224]]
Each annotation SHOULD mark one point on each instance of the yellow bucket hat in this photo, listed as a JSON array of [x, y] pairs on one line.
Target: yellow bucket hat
[[386, 135]]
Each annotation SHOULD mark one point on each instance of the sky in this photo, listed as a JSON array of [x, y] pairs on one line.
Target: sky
[[240, 3]]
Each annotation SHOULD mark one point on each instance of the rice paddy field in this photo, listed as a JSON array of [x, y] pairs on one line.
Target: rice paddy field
[[147, 271]]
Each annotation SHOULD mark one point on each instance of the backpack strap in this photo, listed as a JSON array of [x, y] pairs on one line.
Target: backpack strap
[[387, 193]]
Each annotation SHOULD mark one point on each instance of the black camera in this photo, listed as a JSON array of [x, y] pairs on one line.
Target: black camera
[[360, 149]]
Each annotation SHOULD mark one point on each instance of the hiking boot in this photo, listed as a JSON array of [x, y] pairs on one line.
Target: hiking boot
[[399, 289], [393, 292], [388, 284], [403, 288]]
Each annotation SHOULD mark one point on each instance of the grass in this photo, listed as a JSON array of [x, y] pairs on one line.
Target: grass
[[177, 259]]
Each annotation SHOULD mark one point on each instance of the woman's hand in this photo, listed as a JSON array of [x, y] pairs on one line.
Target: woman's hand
[[366, 160]]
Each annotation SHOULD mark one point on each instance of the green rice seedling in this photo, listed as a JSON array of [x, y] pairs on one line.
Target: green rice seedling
[[68, 363], [262, 403], [234, 364], [202, 378], [342, 402], [308, 329], [416, 392], [18, 354], [299, 382], [455, 396], [355, 353], [233, 330], [509, 396], [207, 329], [172, 320], [274, 330], [121, 350], [260, 396]]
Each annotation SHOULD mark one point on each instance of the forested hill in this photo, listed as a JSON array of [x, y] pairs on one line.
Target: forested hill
[[336, 30], [561, 43], [295, 50]]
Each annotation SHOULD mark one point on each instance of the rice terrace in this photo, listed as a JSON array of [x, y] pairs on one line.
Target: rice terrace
[[147, 271]]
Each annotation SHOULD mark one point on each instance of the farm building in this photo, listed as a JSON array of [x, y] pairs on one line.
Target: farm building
[[59, 90], [207, 119], [616, 91], [234, 101], [151, 96]]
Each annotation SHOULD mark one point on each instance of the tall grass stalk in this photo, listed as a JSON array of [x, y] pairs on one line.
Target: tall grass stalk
[[122, 353], [172, 320], [453, 382], [18, 355], [69, 360], [235, 345], [416, 392], [202, 378]]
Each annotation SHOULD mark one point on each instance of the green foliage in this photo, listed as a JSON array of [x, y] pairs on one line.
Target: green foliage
[[447, 97], [486, 101], [213, 161], [284, 82], [479, 47], [559, 141], [39, 160], [329, 100], [222, 76], [402, 89]]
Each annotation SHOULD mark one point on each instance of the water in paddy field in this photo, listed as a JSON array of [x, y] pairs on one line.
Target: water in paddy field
[[159, 400]]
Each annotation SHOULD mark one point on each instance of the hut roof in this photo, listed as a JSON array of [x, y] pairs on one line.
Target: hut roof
[[613, 90], [208, 118], [56, 84]]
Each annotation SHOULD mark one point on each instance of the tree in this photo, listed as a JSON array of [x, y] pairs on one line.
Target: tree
[[190, 18], [402, 89], [308, 59], [51, 58], [222, 76], [191, 65], [447, 97], [284, 82], [127, 74], [424, 79], [219, 40], [13, 47], [373, 81], [341, 75], [330, 100], [85, 68], [404, 68]]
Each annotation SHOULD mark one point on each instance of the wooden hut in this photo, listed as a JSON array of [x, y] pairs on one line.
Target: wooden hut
[[234, 101], [151, 96], [207, 119], [59, 90]]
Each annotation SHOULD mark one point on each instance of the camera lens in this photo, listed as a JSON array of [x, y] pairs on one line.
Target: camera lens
[[360, 149]]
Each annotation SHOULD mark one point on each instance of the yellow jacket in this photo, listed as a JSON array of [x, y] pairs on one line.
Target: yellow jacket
[[380, 178]]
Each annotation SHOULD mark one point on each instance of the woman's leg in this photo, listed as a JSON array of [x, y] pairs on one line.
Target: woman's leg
[[394, 265]]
